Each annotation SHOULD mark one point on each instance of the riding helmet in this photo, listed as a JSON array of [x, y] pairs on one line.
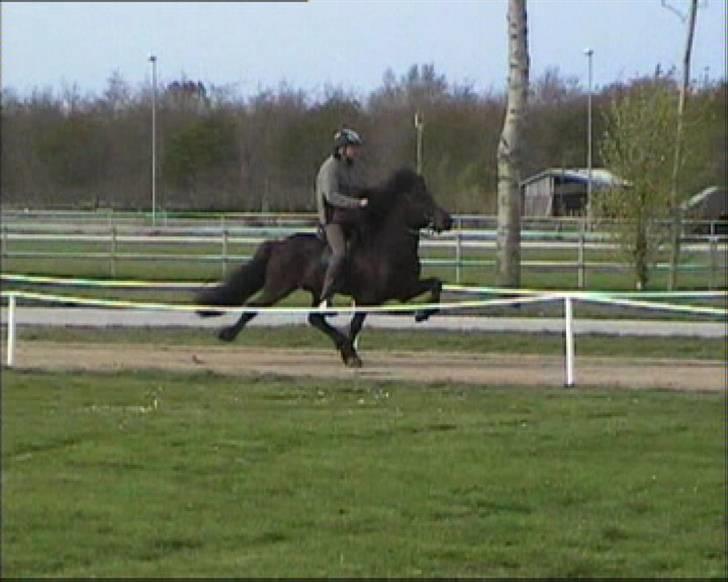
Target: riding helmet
[[345, 137]]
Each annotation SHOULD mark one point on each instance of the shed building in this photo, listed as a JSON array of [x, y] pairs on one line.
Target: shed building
[[709, 204], [562, 191]]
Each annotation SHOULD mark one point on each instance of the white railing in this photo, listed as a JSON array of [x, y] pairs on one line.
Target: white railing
[[222, 236], [523, 296], [169, 219]]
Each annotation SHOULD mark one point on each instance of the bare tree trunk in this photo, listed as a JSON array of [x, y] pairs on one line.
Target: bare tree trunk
[[674, 198], [508, 254]]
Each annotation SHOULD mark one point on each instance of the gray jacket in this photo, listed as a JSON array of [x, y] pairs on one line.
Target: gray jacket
[[336, 185]]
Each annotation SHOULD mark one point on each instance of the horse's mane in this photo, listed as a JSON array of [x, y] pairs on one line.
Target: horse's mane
[[402, 180], [388, 194], [385, 195]]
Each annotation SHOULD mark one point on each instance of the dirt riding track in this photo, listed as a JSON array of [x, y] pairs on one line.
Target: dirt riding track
[[424, 367]]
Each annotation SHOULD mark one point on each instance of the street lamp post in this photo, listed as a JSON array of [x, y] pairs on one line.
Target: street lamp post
[[153, 60], [419, 127], [589, 52]]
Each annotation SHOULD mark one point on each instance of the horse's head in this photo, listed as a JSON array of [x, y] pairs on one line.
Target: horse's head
[[419, 208]]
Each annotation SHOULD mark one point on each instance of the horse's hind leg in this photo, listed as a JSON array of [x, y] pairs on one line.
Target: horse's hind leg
[[341, 341], [266, 299], [228, 334]]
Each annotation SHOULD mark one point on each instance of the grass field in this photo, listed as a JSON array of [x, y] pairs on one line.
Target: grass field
[[159, 474], [168, 474]]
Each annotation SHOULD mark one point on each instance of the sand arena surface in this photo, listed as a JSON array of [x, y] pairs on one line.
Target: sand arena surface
[[419, 367]]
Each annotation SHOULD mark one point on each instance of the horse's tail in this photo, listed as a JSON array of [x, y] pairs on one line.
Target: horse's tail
[[242, 284]]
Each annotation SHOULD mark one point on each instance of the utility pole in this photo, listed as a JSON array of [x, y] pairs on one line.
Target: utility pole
[[153, 60], [420, 127], [674, 196], [589, 53]]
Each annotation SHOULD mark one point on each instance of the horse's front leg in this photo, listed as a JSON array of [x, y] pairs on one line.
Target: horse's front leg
[[357, 322], [341, 341], [434, 286]]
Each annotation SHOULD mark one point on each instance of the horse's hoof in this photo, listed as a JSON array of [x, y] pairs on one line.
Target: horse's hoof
[[354, 362], [209, 313], [423, 315], [350, 358], [226, 334]]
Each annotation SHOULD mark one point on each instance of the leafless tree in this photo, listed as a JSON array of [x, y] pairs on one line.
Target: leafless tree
[[674, 196], [510, 150]]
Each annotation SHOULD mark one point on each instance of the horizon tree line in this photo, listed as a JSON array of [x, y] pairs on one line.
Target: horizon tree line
[[218, 150]]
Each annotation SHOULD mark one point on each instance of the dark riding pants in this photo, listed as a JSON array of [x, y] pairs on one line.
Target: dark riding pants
[[336, 238]]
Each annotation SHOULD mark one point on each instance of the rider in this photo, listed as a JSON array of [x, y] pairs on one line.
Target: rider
[[338, 184]]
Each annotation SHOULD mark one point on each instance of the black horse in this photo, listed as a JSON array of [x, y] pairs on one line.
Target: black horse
[[383, 263]]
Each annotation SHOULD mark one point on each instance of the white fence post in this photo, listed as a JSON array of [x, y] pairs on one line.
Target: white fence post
[[569, 343], [224, 251], [581, 267], [713, 260], [11, 331], [112, 257], [458, 255]]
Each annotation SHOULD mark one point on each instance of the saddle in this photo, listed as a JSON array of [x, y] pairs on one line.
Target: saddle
[[351, 240], [350, 220]]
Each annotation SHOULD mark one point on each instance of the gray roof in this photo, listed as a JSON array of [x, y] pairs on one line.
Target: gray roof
[[711, 202], [599, 176]]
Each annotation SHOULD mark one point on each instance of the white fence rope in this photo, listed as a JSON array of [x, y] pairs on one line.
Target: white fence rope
[[524, 296], [480, 290]]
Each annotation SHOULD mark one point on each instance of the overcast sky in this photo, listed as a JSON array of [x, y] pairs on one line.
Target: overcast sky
[[346, 43]]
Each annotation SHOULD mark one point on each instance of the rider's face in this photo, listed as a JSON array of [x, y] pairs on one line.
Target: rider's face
[[352, 152]]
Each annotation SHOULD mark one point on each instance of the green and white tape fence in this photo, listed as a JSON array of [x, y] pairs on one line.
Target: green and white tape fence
[[513, 297]]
